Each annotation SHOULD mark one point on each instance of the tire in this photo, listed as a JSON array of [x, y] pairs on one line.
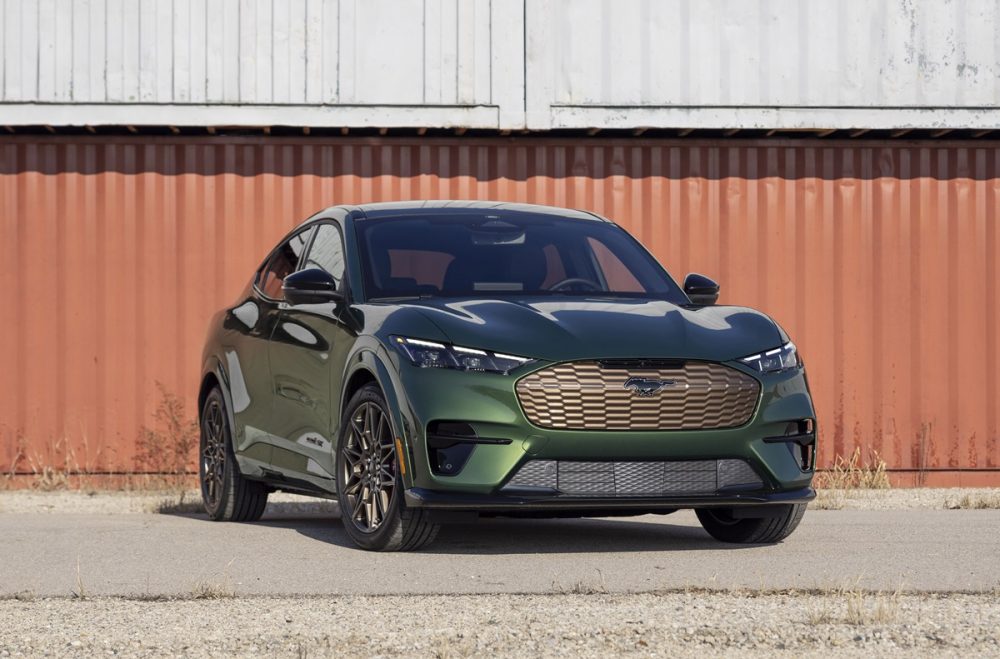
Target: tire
[[722, 526], [369, 483], [226, 494]]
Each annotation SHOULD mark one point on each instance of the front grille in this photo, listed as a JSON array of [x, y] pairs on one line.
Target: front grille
[[591, 395], [635, 479]]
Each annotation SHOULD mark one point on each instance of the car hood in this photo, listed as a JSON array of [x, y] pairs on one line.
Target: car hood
[[564, 328]]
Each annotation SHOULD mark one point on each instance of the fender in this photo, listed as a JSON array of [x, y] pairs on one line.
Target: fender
[[373, 358], [215, 366]]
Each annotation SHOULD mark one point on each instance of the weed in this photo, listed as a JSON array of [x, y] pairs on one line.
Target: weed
[[853, 474], [854, 606], [177, 506], [168, 448], [871, 608], [206, 590], [81, 592], [213, 590], [979, 501], [582, 588], [828, 500]]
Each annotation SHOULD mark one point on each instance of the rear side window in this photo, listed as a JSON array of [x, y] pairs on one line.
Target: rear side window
[[327, 252], [282, 263]]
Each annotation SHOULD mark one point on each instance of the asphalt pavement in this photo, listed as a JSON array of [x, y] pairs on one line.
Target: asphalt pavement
[[56, 554]]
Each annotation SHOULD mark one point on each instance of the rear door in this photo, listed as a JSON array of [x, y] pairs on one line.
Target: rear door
[[307, 351], [253, 321]]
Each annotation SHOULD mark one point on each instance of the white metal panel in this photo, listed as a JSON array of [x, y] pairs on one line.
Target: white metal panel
[[47, 50], [313, 51], [507, 82], [389, 52], [329, 82], [539, 64], [773, 53]]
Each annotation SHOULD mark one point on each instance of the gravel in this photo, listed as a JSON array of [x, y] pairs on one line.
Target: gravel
[[949, 498], [117, 503], [575, 622], [558, 625]]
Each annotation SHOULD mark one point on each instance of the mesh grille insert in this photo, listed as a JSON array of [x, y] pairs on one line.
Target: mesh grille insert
[[635, 479]]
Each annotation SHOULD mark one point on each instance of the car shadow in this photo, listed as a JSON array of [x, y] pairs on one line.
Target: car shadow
[[504, 535], [527, 536]]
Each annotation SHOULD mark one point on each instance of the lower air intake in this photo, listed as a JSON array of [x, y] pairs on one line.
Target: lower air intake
[[635, 479]]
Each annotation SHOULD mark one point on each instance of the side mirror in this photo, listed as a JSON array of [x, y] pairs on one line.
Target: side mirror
[[311, 286], [700, 289]]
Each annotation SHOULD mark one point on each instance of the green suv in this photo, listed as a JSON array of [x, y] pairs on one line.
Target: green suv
[[427, 362]]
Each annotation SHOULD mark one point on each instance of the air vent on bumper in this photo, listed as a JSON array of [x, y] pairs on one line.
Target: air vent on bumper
[[633, 479]]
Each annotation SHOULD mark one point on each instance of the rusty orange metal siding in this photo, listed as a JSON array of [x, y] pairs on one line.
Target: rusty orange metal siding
[[879, 258]]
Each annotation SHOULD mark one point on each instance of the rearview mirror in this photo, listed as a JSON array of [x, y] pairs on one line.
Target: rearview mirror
[[311, 286], [700, 289]]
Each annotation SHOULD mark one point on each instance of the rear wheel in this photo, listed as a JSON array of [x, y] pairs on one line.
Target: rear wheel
[[227, 495], [369, 483], [721, 525]]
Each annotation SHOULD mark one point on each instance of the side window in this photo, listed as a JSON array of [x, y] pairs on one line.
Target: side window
[[281, 264], [619, 278], [327, 252]]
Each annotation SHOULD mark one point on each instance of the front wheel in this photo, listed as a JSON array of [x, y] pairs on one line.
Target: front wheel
[[369, 483], [721, 525]]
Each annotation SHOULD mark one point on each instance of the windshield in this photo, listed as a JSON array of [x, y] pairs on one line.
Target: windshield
[[510, 255]]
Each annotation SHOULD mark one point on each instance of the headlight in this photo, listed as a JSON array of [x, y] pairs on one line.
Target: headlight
[[431, 354], [778, 359]]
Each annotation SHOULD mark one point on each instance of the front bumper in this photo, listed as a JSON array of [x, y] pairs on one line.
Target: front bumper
[[488, 403], [417, 497]]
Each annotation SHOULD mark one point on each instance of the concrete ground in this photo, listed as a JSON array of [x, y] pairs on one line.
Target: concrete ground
[[102, 580]]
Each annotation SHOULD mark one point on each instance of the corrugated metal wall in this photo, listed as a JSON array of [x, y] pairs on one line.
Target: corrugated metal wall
[[879, 259]]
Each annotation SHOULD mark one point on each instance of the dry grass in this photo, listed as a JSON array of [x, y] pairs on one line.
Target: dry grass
[[828, 500], [855, 607], [854, 474], [177, 506], [206, 590], [164, 459], [583, 587], [987, 501], [81, 592], [168, 448], [846, 477]]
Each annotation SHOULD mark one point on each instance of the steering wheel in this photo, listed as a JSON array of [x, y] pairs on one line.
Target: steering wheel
[[571, 281]]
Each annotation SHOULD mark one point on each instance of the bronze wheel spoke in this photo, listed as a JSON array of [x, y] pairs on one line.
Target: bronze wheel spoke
[[213, 454], [367, 467]]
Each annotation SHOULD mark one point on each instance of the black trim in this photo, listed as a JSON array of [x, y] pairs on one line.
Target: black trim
[[439, 440], [418, 497], [802, 439]]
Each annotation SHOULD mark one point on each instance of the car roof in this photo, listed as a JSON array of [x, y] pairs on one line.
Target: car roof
[[461, 207]]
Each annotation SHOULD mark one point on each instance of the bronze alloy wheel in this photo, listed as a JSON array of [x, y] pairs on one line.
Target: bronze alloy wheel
[[225, 492], [368, 467], [213, 454]]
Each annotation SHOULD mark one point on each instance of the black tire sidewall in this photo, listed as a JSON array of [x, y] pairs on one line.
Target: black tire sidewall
[[762, 530], [229, 471]]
